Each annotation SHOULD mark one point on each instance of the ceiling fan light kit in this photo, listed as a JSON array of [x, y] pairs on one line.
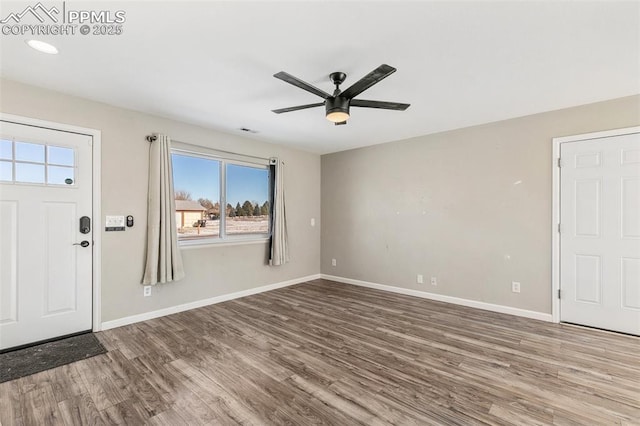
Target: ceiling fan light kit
[[337, 109], [337, 105]]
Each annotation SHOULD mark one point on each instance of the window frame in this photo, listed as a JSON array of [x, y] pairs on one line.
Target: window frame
[[224, 159]]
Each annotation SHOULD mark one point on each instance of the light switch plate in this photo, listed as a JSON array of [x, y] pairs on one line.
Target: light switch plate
[[114, 223]]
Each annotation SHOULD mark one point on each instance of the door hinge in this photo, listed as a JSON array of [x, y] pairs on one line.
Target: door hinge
[[559, 228], [559, 294], [559, 162]]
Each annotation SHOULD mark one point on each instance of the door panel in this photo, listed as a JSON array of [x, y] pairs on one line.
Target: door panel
[[60, 290], [630, 271], [588, 278], [630, 207], [600, 238], [45, 187], [587, 212], [630, 156], [8, 262]]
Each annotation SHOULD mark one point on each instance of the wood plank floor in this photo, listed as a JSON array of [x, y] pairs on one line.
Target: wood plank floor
[[329, 353]]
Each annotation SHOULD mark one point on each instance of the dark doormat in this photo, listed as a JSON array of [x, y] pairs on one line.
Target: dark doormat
[[34, 359]]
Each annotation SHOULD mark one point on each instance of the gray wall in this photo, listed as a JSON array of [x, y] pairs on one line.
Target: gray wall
[[210, 271], [445, 205], [471, 206]]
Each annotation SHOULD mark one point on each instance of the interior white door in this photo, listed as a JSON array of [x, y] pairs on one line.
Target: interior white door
[[600, 233], [45, 271]]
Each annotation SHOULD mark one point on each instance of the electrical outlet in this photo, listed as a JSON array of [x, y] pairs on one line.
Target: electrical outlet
[[333, 262], [147, 291], [419, 279], [434, 281], [515, 286]]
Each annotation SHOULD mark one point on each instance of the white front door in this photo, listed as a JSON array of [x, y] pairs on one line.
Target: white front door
[[45, 268], [600, 232]]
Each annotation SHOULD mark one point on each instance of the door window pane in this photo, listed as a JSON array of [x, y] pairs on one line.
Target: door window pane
[[29, 152], [60, 156], [247, 200], [58, 175], [6, 149], [6, 172], [29, 173], [59, 163]]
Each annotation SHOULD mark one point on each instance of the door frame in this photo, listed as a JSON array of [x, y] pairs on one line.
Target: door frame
[[555, 235], [96, 310]]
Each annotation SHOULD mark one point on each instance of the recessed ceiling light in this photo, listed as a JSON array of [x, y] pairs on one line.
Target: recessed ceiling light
[[43, 47]]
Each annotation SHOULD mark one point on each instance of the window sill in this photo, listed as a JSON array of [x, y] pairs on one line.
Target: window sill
[[198, 244]]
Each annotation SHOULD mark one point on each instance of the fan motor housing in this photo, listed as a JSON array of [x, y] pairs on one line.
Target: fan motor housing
[[337, 104]]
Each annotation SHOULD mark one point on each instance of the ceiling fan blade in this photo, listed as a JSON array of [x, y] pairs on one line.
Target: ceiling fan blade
[[296, 108], [301, 84], [368, 80], [379, 104]]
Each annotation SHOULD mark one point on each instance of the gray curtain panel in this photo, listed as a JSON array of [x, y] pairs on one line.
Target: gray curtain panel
[[164, 262], [279, 243]]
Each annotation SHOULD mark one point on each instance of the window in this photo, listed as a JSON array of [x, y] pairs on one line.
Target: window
[[33, 163], [247, 200], [204, 183]]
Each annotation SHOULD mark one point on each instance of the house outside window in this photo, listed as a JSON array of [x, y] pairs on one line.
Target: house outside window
[[190, 217]]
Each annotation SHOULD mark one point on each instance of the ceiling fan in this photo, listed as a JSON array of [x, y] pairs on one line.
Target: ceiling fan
[[337, 105]]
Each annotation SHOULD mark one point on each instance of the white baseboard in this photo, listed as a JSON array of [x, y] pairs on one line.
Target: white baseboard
[[416, 293], [442, 298], [204, 302]]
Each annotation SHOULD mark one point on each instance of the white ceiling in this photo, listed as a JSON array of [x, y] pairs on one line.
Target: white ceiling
[[459, 63]]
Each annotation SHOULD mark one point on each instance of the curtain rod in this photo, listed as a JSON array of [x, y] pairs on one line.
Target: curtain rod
[[152, 138]]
